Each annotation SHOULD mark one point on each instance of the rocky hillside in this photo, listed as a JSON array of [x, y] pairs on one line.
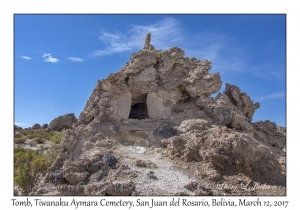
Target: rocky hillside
[[153, 128]]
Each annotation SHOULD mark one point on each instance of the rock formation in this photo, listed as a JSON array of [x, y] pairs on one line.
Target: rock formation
[[36, 126], [17, 128], [156, 117], [44, 126], [62, 122], [147, 45]]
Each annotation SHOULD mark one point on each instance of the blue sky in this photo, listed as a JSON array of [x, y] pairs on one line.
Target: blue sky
[[59, 58]]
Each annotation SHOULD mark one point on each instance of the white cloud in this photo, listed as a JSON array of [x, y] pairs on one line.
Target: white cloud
[[269, 71], [96, 53], [74, 59], [19, 124], [46, 55], [224, 51], [271, 96], [25, 57], [218, 48], [49, 58], [165, 34]]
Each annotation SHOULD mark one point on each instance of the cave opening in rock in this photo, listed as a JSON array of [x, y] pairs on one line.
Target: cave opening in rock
[[229, 126], [139, 111], [139, 108], [127, 81], [185, 96]]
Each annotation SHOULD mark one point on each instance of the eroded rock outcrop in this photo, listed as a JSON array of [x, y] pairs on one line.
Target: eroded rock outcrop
[[17, 128], [147, 45], [44, 126], [62, 122], [36, 126], [162, 99]]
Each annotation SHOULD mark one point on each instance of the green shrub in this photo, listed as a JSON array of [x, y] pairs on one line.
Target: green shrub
[[32, 143], [41, 133], [56, 138], [18, 135], [50, 154], [29, 167], [38, 140], [24, 132], [19, 140]]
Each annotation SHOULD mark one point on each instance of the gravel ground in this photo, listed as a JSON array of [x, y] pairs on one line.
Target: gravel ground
[[166, 178]]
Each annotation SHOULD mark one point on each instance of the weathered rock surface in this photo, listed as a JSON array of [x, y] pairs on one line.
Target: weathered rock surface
[[109, 159], [62, 122], [57, 177], [36, 126], [162, 100], [17, 128], [198, 189], [147, 45], [44, 126], [75, 171], [45, 189], [145, 164]]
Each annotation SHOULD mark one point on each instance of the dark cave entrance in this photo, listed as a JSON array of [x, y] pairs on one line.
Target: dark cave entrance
[[139, 108], [139, 111], [185, 96]]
